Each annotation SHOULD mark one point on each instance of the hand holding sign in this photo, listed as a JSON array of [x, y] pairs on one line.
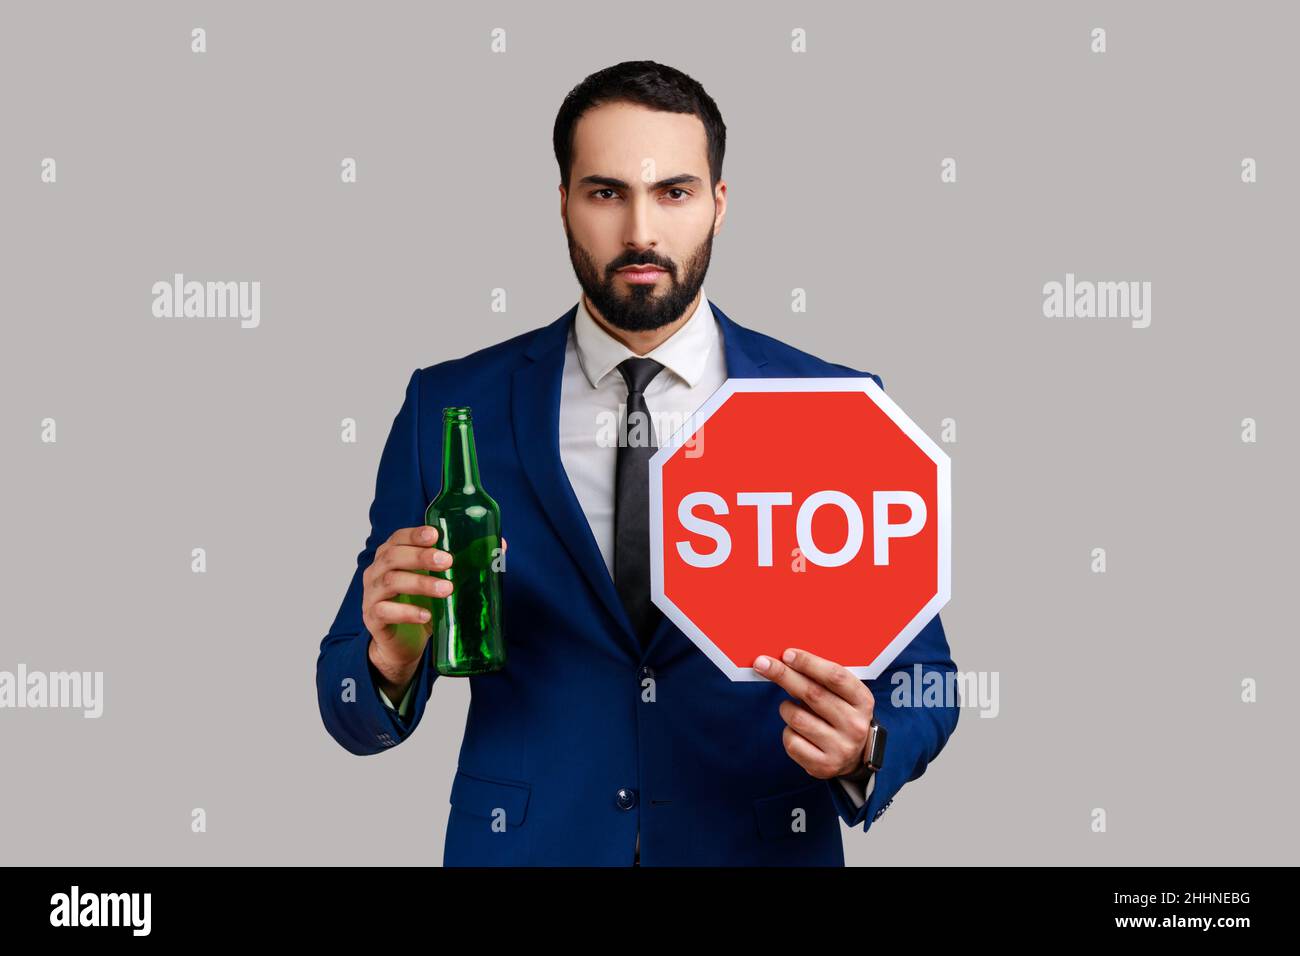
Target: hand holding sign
[[828, 723]]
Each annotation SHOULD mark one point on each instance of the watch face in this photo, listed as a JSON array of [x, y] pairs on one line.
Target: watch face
[[877, 747]]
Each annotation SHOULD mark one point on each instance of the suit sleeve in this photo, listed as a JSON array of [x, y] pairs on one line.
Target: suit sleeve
[[350, 704], [916, 734]]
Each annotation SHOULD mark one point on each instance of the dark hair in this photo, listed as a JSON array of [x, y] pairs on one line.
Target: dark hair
[[645, 83]]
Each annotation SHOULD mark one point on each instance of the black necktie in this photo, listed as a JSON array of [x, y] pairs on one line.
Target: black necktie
[[632, 501]]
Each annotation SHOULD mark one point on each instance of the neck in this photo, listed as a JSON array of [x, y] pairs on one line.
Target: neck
[[643, 342]]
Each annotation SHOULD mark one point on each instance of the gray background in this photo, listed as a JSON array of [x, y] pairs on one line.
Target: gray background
[[1118, 690]]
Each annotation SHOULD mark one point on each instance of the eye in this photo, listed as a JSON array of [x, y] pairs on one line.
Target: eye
[[685, 194]]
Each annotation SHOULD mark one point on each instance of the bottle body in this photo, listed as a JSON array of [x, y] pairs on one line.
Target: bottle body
[[467, 632], [465, 626]]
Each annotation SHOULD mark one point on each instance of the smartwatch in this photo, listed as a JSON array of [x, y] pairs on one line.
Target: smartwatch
[[873, 755], [875, 752]]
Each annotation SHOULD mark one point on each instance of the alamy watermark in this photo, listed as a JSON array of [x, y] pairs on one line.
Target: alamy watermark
[[922, 688], [1084, 299], [179, 299], [102, 909], [37, 689]]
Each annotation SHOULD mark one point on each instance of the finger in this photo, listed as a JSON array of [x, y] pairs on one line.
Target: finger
[[404, 557], [806, 754], [394, 582], [421, 535], [395, 612], [829, 674], [823, 700], [814, 729]]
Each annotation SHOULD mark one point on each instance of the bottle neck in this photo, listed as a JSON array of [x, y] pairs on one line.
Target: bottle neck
[[459, 458]]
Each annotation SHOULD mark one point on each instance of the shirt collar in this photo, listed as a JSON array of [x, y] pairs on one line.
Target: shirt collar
[[685, 352]]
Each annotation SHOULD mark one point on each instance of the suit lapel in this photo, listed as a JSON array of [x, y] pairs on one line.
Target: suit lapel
[[535, 412], [745, 354]]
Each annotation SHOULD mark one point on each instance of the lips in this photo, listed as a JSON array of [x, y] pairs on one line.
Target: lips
[[641, 273]]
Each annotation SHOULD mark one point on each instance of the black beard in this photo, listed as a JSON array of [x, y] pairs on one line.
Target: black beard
[[641, 310]]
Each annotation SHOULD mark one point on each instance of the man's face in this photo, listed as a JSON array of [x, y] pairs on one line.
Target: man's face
[[639, 195]]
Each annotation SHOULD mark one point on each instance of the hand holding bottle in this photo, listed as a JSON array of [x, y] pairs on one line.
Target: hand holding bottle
[[401, 567], [397, 595]]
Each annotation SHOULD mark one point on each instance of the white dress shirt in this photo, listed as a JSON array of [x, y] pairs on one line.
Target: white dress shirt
[[593, 399]]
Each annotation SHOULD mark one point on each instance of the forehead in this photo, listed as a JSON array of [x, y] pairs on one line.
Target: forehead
[[614, 139]]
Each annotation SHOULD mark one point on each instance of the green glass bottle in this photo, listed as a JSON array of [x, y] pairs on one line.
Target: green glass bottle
[[466, 625]]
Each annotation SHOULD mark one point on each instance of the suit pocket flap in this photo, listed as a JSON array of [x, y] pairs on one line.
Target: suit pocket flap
[[778, 814], [482, 797]]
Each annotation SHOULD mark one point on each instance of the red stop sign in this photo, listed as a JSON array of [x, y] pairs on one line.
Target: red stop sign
[[806, 512]]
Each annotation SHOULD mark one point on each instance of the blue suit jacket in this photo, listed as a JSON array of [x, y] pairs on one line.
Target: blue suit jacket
[[552, 739]]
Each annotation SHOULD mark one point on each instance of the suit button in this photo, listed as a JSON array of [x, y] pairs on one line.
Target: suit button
[[625, 798], [647, 672]]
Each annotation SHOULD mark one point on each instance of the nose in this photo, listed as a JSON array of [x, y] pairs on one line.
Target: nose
[[639, 228]]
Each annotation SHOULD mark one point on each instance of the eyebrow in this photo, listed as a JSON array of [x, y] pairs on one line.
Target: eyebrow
[[611, 183]]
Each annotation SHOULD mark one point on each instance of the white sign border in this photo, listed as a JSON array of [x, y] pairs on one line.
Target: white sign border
[[913, 431]]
